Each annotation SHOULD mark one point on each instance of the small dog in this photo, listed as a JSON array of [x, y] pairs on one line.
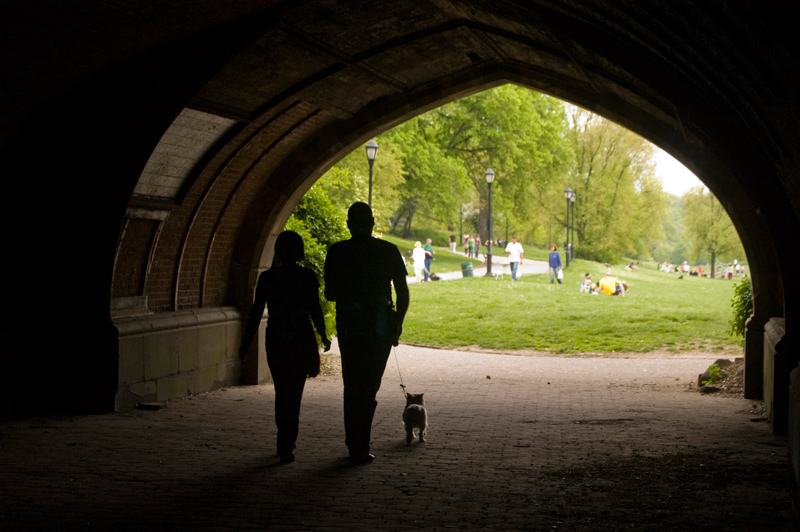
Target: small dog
[[415, 417]]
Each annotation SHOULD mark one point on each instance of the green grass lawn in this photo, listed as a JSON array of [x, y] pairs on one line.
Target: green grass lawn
[[659, 311]]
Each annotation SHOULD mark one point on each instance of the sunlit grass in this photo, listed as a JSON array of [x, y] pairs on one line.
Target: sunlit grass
[[659, 311]]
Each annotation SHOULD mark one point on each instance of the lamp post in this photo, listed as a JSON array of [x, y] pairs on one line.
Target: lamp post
[[568, 196], [489, 180], [372, 152], [572, 226]]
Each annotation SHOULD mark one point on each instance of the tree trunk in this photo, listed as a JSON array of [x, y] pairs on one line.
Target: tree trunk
[[407, 227], [395, 221], [713, 261]]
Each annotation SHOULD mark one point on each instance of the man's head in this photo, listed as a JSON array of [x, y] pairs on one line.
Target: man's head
[[514, 239], [428, 241], [360, 220]]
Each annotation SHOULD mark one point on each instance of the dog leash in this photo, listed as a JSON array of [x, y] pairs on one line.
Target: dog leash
[[397, 363]]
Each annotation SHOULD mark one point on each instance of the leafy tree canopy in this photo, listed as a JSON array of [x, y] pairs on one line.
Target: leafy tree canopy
[[430, 172], [709, 228]]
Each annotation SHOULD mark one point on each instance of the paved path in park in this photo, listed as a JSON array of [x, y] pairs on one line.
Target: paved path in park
[[515, 443], [499, 265]]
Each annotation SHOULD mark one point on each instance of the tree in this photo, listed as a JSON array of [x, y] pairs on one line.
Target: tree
[[445, 153], [348, 182], [519, 133], [708, 227], [673, 247], [433, 183], [619, 200]]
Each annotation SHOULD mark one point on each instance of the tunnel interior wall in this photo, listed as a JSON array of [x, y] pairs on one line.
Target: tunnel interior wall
[[171, 355]]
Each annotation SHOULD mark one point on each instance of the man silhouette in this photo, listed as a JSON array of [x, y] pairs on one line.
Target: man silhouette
[[359, 274]]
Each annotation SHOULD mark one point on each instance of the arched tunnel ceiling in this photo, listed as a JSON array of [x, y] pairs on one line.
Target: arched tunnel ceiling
[[714, 83]]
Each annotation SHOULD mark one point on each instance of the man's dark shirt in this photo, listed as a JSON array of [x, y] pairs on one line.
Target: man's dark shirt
[[360, 271]]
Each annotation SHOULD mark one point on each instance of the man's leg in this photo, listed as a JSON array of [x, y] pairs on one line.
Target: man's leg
[[552, 275], [363, 363], [427, 268], [514, 271]]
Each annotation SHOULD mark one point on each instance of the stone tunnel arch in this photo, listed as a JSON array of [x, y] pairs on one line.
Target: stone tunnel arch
[[714, 85]]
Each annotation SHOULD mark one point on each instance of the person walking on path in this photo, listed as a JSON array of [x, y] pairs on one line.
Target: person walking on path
[[477, 245], [428, 258], [359, 274], [452, 242], [515, 253], [418, 259], [291, 293], [555, 264], [465, 243]]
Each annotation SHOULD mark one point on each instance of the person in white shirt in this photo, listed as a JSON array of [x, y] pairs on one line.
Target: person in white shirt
[[515, 251], [418, 257]]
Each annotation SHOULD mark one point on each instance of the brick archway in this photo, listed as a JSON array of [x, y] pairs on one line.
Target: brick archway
[[152, 158]]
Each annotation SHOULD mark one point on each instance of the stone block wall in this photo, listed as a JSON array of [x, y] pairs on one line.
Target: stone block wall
[[177, 354], [774, 330], [794, 436]]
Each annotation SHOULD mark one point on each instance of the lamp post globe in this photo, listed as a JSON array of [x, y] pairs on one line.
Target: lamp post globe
[[489, 180], [372, 152]]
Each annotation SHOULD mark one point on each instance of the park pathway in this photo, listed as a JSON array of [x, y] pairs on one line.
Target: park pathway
[[499, 265], [516, 443]]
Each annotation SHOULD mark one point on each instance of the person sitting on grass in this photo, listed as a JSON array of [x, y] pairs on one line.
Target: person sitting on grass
[[611, 286], [587, 286]]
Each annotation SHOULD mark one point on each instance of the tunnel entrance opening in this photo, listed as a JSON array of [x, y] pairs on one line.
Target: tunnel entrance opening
[[601, 155]]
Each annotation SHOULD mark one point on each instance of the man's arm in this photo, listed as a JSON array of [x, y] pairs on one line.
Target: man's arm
[[401, 294], [330, 277]]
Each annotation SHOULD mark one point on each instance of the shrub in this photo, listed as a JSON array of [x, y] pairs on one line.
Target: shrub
[[713, 375], [741, 306]]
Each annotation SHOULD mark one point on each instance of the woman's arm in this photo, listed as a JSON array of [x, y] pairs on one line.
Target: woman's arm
[[254, 318]]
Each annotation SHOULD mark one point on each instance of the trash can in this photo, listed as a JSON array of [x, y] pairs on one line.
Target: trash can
[[466, 269]]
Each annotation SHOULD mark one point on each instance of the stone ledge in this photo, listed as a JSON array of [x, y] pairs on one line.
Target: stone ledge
[[133, 325]]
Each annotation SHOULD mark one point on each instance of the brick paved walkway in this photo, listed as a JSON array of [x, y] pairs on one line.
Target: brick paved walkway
[[515, 443]]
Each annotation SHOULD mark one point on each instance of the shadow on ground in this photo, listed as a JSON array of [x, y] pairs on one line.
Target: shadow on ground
[[515, 443]]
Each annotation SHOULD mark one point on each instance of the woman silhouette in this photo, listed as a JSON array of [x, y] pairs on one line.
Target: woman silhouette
[[291, 294]]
